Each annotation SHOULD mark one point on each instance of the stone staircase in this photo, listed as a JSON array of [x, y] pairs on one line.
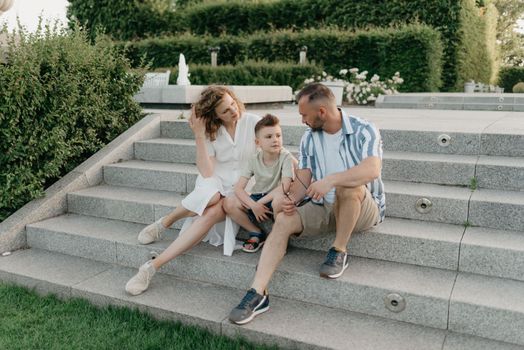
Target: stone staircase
[[444, 271]]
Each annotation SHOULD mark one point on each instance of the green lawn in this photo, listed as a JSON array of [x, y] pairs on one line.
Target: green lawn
[[29, 321]]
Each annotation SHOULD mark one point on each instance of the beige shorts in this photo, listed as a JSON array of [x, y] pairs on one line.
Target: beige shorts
[[320, 219]]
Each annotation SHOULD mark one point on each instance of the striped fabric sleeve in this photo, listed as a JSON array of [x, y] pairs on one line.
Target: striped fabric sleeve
[[372, 144], [303, 159]]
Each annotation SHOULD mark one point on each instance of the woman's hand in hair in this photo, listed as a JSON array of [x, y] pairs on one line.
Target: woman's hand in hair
[[197, 124]]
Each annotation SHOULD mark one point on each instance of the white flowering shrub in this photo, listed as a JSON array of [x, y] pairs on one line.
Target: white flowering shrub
[[358, 89]]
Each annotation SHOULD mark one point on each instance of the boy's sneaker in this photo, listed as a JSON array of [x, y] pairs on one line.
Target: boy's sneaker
[[251, 305], [152, 233], [140, 282], [335, 264]]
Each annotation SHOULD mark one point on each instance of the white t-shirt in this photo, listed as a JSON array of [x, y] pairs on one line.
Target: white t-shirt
[[334, 162]]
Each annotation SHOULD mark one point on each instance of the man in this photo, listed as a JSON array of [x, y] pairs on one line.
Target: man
[[337, 188]]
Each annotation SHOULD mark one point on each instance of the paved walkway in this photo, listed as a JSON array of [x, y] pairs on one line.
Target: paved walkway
[[410, 119]]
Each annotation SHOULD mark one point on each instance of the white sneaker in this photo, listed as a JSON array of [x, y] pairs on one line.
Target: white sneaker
[[152, 233], [140, 282]]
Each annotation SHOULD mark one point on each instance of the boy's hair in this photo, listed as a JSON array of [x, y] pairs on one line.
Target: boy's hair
[[267, 120]]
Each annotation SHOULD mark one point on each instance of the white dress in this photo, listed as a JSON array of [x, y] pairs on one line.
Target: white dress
[[229, 155]]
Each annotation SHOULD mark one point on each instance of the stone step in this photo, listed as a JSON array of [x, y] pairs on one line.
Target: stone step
[[446, 169], [488, 306], [425, 202], [497, 172], [477, 250], [493, 252], [442, 169], [162, 176], [405, 139], [457, 101], [288, 324], [403, 241], [497, 209], [485, 208], [123, 203], [478, 305], [362, 288]]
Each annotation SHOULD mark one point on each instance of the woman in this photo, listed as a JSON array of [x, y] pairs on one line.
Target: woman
[[225, 137]]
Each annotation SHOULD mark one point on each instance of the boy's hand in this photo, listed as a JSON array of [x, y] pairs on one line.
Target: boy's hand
[[260, 211], [288, 206]]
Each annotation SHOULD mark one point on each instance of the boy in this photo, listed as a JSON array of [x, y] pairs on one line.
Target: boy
[[272, 167]]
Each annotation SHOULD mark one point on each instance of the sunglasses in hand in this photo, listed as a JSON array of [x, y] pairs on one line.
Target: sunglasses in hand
[[301, 202]]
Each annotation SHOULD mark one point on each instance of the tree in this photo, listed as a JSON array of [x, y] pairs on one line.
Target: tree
[[511, 42]]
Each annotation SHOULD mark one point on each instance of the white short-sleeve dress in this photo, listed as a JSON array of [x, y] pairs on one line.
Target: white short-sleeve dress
[[229, 155]]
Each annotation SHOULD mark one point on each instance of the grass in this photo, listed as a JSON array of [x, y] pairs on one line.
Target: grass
[[473, 183], [29, 321]]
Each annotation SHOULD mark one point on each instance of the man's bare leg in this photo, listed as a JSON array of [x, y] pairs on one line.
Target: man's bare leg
[[275, 249], [347, 211]]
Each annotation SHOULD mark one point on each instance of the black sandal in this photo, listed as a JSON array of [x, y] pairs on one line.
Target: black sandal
[[254, 243]]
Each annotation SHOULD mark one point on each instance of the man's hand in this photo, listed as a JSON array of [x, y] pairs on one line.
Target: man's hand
[[260, 211], [320, 188]]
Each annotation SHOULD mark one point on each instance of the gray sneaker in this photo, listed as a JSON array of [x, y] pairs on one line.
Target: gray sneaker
[[251, 305], [140, 282], [335, 264], [152, 233]]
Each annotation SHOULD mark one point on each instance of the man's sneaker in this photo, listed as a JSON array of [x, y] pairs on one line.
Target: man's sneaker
[[139, 282], [152, 233], [251, 305], [335, 264]]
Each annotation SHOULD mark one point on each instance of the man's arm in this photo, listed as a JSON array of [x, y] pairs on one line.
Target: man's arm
[[362, 174]]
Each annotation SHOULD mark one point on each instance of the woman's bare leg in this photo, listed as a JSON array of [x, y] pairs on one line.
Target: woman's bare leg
[[180, 212], [194, 234]]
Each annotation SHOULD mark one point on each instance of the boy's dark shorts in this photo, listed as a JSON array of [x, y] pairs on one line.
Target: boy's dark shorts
[[250, 215]]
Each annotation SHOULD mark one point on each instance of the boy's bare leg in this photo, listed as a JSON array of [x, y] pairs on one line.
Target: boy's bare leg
[[347, 209], [275, 249], [234, 208], [193, 235]]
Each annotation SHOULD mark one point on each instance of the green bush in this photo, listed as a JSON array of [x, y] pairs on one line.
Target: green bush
[[62, 99], [509, 76], [414, 50], [125, 19], [519, 88], [456, 20], [249, 73]]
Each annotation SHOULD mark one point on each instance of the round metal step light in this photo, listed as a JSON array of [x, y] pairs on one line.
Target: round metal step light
[[423, 205], [444, 140], [499, 107], [501, 99], [153, 255], [395, 302]]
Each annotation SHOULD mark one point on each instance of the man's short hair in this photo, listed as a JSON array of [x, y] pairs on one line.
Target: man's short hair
[[267, 120], [316, 91]]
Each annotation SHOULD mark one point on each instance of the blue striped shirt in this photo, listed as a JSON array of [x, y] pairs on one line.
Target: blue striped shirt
[[360, 140]]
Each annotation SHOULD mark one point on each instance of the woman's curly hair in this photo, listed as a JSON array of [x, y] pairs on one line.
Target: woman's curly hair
[[210, 98]]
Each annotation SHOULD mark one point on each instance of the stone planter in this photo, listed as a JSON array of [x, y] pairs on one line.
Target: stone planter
[[337, 87], [469, 87]]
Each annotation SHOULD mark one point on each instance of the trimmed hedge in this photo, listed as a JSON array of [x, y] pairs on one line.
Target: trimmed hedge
[[125, 19], [509, 76], [62, 99], [457, 20], [415, 51], [249, 73]]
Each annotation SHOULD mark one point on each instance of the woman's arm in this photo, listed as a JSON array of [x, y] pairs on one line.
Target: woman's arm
[[205, 163]]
